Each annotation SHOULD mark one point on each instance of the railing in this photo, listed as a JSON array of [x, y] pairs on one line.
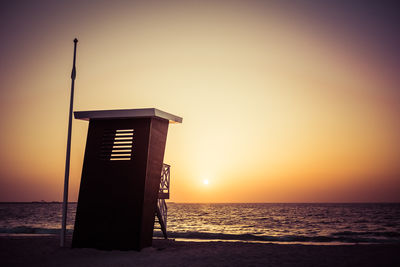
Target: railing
[[162, 215], [163, 192]]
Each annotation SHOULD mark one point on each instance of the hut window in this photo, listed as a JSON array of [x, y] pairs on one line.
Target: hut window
[[117, 144]]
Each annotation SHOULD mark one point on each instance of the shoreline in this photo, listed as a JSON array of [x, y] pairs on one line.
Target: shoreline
[[205, 240], [45, 251]]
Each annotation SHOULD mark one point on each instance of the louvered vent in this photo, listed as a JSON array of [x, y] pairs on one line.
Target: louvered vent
[[117, 144]]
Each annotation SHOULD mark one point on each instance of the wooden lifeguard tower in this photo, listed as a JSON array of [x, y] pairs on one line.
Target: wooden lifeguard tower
[[124, 181]]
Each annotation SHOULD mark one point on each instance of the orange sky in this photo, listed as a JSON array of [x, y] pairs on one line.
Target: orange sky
[[280, 103]]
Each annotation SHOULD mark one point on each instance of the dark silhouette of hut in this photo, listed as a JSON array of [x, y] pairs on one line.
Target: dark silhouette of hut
[[121, 188]]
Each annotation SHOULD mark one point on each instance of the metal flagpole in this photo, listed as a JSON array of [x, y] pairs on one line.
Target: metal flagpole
[[67, 160]]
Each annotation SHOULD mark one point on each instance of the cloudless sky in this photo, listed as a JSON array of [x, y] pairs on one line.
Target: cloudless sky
[[283, 101]]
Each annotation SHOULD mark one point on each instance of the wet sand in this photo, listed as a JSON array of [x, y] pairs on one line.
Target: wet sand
[[45, 251]]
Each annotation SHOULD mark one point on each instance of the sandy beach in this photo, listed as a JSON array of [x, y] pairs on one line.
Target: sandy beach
[[45, 251]]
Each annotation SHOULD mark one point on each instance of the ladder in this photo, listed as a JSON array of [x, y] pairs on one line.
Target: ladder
[[163, 194]]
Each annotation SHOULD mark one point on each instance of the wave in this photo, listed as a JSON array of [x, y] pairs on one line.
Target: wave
[[388, 237], [338, 237], [31, 230], [382, 234]]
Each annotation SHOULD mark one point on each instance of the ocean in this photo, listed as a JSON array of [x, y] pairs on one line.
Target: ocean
[[261, 222]]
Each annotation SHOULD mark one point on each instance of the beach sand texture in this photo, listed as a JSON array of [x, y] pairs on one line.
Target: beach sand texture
[[45, 251]]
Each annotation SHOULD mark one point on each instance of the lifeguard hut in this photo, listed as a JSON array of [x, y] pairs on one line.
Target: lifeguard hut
[[124, 181]]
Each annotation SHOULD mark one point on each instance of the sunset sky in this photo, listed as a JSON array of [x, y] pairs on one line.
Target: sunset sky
[[282, 101]]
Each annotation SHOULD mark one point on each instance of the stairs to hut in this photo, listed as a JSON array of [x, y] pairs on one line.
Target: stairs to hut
[[163, 194]]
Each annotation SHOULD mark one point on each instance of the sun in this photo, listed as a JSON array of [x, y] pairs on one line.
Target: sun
[[205, 181]]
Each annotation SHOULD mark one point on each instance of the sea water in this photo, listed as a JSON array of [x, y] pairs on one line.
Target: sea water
[[261, 222]]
